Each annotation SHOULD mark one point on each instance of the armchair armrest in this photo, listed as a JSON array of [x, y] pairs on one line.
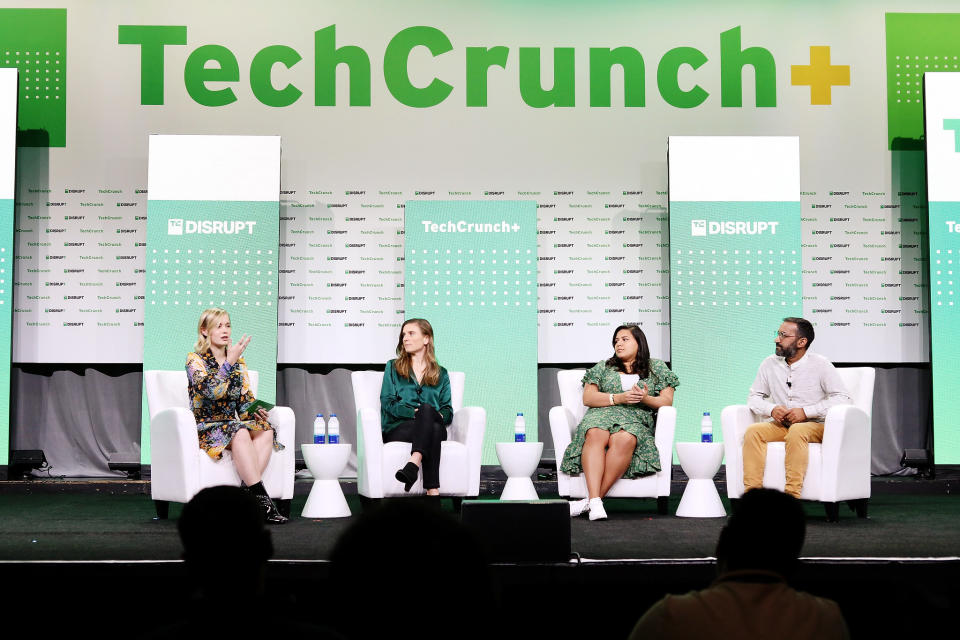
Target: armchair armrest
[[562, 423], [664, 435], [468, 427], [174, 446], [284, 422], [734, 421], [846, 454], [369, 453]]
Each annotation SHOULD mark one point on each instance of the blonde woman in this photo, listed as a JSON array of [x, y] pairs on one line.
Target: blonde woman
[[219, 389], [415, 404]]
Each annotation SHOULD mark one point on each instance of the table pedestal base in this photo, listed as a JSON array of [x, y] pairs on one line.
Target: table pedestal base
[[701, 500], [326, 501], [519, 489]]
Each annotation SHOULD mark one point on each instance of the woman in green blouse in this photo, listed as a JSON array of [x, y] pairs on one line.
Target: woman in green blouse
[[415, 404], [615, 438]]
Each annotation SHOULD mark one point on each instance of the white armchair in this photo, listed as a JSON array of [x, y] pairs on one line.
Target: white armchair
[[180, 468], [563, 424], [838, 469], [377, 462]]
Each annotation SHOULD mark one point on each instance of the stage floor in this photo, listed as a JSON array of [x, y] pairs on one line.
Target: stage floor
[[52, 522], [893, 574]]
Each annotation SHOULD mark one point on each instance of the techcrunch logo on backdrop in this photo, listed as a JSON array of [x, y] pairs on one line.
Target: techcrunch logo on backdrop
[[179, 227], [462, 226], [731, 227]]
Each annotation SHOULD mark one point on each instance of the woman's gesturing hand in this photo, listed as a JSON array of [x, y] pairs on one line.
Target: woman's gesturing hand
[[235, 350]]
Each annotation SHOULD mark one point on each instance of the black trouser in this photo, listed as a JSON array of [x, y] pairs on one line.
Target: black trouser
[[425, 433]]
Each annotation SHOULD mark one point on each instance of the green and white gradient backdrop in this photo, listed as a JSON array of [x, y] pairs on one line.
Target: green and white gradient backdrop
[[735, 265], [212, 241], [479, 292], [942, 106], [8, 137]]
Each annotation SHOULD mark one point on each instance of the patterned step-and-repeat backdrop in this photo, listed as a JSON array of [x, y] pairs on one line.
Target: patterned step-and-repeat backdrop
[[377, 103]]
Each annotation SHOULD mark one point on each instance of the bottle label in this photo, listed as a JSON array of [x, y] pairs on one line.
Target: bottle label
[[318, 438], [334, 438], [519, 437], [706, 437]]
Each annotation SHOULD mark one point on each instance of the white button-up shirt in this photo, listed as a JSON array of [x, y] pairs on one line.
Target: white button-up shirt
[[811, 383]]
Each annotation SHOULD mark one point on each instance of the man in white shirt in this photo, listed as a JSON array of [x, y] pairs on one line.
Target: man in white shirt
[[793, 392]]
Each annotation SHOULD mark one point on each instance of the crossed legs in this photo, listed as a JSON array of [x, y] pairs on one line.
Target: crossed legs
[[251, 454]]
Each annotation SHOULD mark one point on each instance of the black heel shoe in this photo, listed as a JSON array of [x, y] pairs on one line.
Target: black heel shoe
[[271, 514], [407, 475]]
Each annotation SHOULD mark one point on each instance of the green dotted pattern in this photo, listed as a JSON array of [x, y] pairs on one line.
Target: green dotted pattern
[[188, 273], [944, 336], [728, 295], [479, 291], [916, 43], [35, 42]]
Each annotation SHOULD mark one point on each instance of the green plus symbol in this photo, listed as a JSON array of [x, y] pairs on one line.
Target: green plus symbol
[[820, 75]]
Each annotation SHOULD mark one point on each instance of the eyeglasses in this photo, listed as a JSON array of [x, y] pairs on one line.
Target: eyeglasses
[[785, 335]]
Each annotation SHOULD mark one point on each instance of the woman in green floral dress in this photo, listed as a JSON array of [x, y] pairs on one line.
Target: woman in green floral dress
[[615, 438]]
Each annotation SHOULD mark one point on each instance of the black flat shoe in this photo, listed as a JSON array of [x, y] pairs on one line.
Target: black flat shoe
[[271, 515], [407, 475]]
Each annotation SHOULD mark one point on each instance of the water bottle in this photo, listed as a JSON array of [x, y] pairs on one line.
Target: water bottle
[[706, 428], [333, 430], [319, 429], [519, 429]]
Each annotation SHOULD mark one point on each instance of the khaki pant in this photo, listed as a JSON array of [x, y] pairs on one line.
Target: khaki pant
[[797, 437]]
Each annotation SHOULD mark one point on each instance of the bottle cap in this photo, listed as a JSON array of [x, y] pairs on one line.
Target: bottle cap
[[706, 413], [319, 415], [333, 415]]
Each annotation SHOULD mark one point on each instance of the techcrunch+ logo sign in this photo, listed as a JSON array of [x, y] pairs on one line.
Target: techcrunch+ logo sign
[[275, 71], [179, 226], [704, 228], [462, 226]]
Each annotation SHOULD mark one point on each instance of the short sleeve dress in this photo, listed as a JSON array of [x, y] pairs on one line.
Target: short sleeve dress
[[639, 421], [219, 397]]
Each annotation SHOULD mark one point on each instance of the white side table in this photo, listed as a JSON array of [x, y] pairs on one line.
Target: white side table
[[326, 462], [519, 461], [700, 461]]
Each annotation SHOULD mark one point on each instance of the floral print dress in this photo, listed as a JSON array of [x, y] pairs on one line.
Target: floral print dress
[[219, 396], [637, 420]]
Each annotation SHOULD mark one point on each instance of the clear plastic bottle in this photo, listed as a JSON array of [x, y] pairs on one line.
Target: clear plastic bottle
[[519, 429], [333, 429], [706, 428], [319, 428]]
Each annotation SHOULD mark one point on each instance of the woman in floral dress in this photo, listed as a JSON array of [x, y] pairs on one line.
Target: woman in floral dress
[[219, 389], [615, 438]]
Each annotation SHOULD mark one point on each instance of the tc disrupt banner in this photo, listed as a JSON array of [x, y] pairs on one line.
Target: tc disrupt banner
[[8, 137], [735, 264], [471, 270], [212, 241], [942, 108]]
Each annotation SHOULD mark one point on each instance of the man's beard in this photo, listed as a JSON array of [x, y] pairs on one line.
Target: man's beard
[[786, 352]]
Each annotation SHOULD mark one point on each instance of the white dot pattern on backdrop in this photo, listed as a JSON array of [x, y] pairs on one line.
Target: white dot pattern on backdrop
[[944, 282], [41, 76], [219, 278], [451, 278], [737, 277]]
